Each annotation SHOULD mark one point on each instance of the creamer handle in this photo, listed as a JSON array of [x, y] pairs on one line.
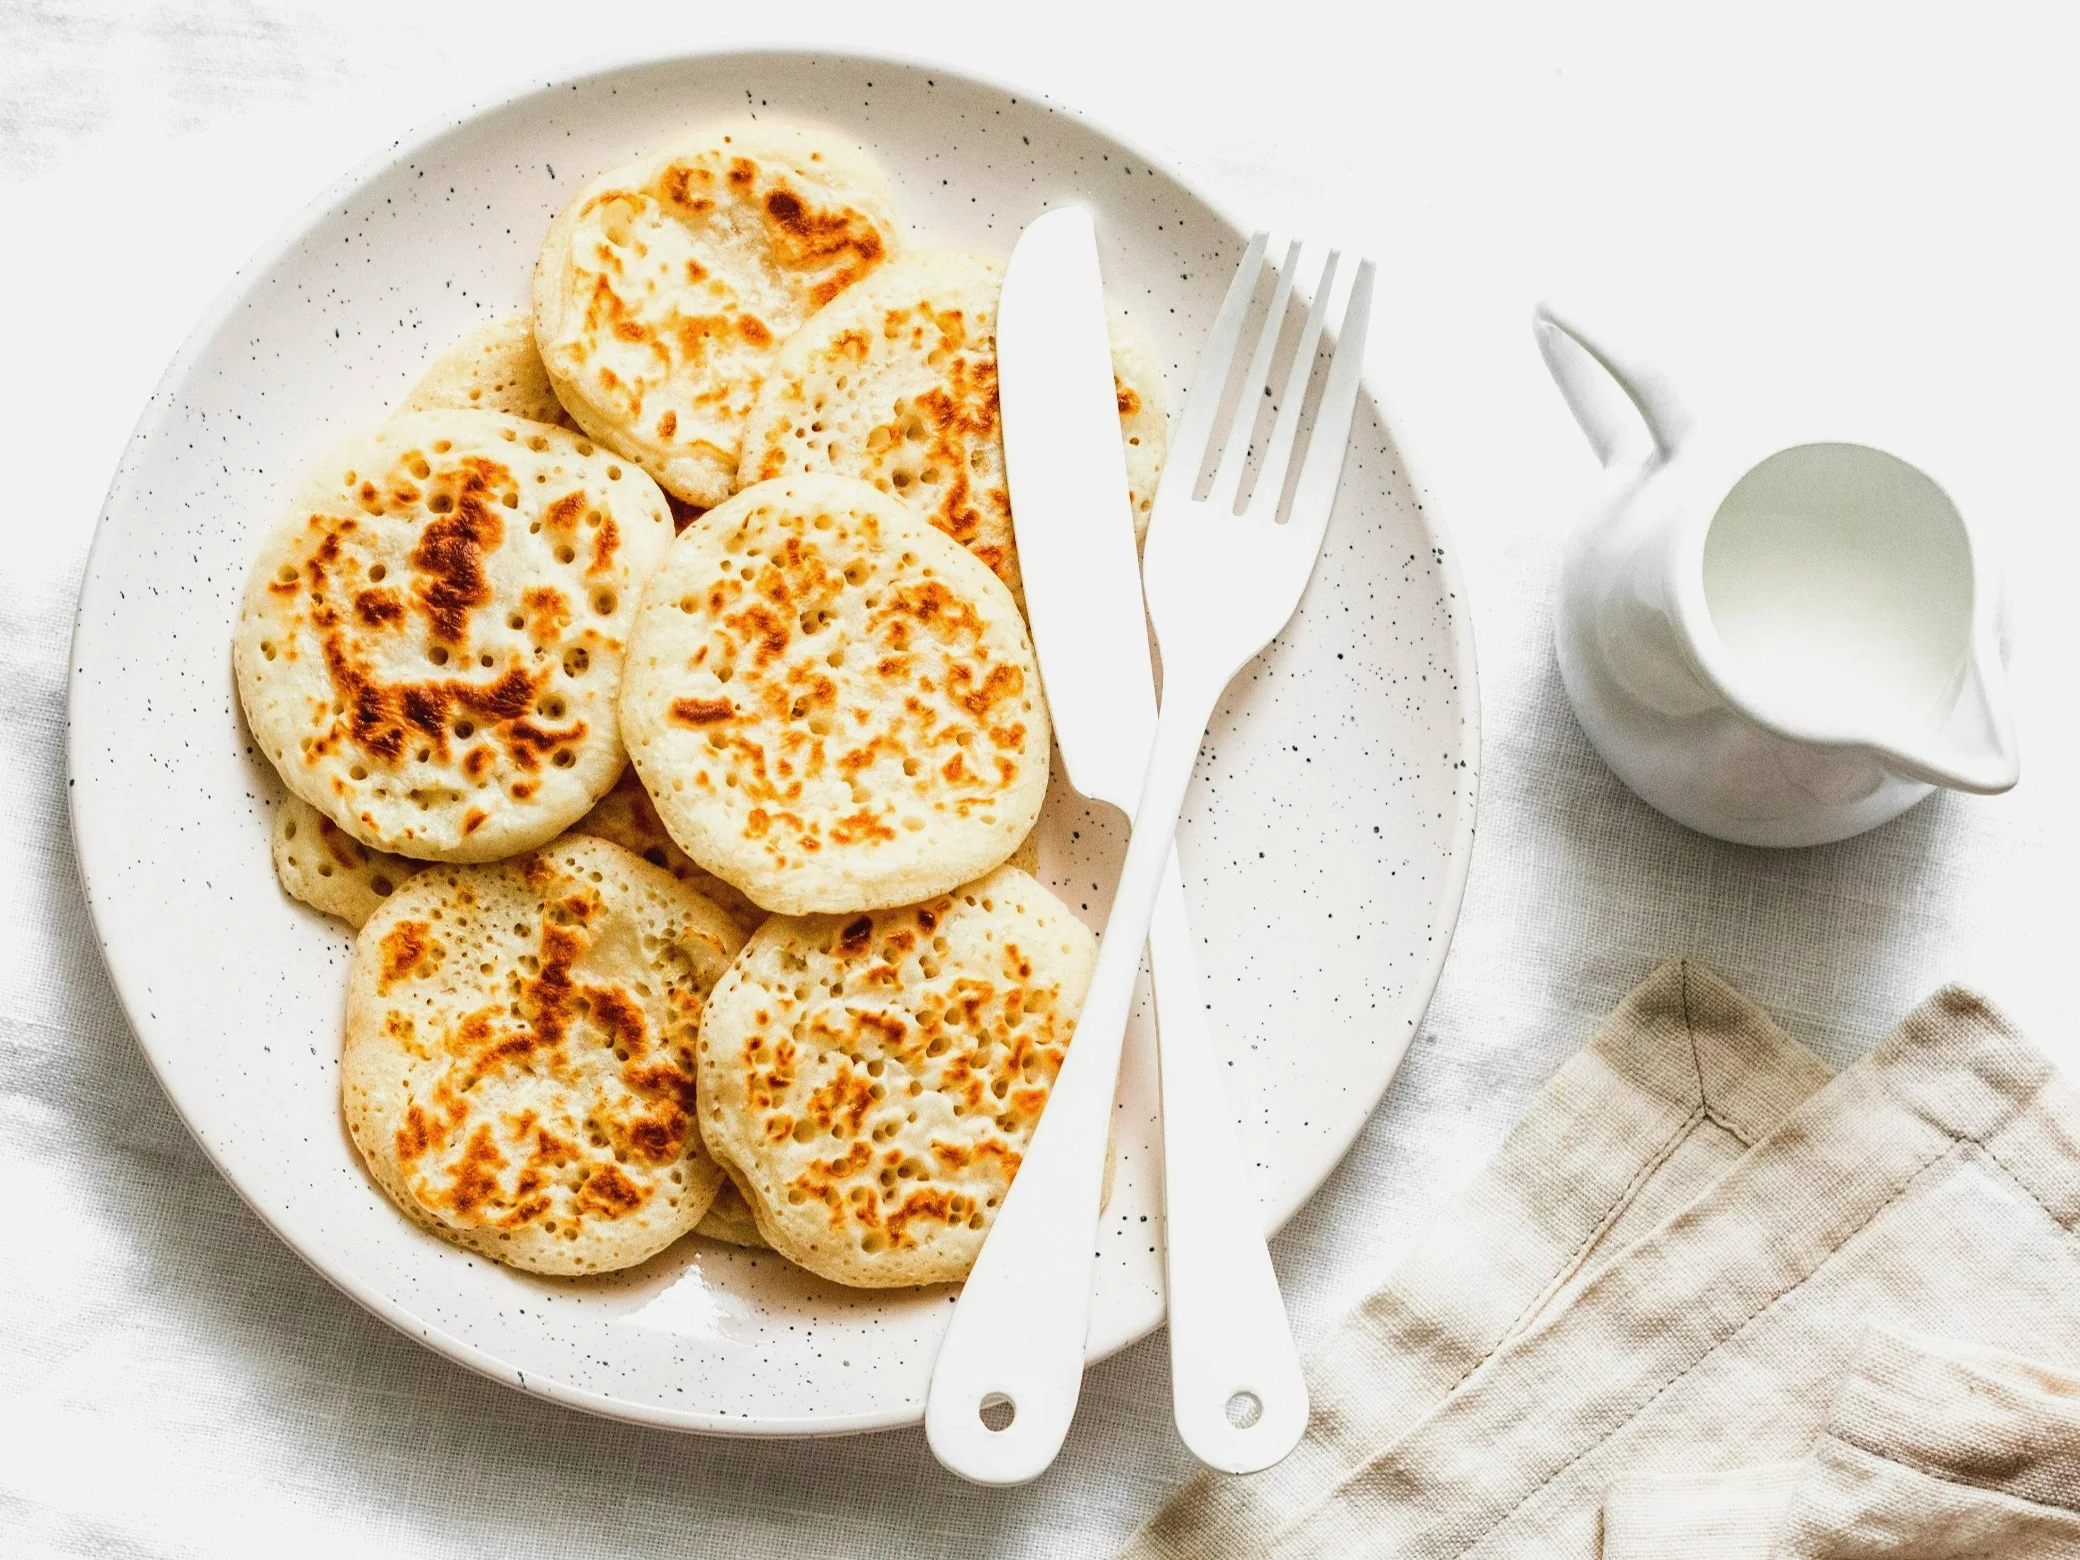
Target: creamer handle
[[1657, 420]]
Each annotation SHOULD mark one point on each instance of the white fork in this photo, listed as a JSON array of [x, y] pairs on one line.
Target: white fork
[[1218, 585]]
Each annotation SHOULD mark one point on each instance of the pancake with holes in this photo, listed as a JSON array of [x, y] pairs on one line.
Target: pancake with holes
[[520, 1066], [431, 643], [627, 816], [665, 288], [493, 368], [321, 864], [871, 1080], [729, 1220], [833, 705], [896, 383]]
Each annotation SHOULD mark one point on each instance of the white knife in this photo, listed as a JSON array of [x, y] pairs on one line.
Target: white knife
[[1019, 1327]]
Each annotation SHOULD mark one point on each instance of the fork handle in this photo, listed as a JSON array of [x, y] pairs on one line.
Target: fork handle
[[1230, 1341], [1020, 1325]]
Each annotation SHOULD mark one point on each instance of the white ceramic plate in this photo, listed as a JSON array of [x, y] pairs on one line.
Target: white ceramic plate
[[1324, 846]]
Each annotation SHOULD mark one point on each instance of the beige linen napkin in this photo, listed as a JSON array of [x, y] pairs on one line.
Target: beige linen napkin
[[1934, 1185], [1931, 1448], [1726, 1514], [1676, 1085]]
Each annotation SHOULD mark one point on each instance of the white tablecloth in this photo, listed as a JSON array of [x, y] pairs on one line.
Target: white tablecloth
[[1867, 205]]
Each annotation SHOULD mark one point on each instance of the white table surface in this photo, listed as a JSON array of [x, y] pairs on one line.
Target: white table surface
[[1867, 206]]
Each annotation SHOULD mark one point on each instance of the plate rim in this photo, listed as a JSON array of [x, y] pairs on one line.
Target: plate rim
[[392, 1310]]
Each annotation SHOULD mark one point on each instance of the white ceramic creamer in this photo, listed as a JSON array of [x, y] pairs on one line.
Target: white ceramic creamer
[[1775, 641]]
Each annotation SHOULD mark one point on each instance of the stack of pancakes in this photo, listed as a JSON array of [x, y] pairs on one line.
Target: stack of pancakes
[[653, 695]]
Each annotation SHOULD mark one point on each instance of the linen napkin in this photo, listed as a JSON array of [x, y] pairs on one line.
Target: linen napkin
[[1933, 1186], [1699, 1516], [1674, 1087], [1930, 1448]]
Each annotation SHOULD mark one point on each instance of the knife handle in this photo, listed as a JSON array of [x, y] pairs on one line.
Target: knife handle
[[1016, 1340], [1232, 1356]]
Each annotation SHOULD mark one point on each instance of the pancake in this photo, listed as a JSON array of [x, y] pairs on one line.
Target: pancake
[[430, 648], [321, 864], [665, 288], [729, 1220], [520, 1065], [833, 706], [627, 816], [870, 1081], [493, 368], [328, 869], [896, 383], [1027, 857]]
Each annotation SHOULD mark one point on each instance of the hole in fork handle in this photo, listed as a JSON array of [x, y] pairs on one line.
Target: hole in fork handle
[[1245, 1409], [996, 1411]]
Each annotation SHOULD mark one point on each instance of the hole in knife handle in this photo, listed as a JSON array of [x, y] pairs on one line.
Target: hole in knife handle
[[1244, 1410], [997, 1412]]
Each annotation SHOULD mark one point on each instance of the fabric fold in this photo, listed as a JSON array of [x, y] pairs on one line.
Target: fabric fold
[[1924, 1187], [1931, 1448], [1942, 1450], [1548, 1341], [1674, 1087]]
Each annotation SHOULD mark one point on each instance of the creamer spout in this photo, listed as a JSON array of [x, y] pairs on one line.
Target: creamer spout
[[1975, 749]]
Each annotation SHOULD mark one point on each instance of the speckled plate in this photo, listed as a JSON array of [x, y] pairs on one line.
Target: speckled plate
[[1324, 846]]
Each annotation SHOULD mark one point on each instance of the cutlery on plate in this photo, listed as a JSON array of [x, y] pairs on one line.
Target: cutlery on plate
[[1229, 1337], [1220, 577]]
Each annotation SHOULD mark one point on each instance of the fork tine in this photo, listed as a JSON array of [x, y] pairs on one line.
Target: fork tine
[[1255, 383], [1188, 449], [1271, 475], [1330, 438]]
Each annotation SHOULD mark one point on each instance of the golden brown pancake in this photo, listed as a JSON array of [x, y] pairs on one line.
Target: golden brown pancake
[[665, 288], [328, 869], [431, 643], [519, 1070], [896, 383], [628, 817], [492, 368], [872, 1080], [833, 705]]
